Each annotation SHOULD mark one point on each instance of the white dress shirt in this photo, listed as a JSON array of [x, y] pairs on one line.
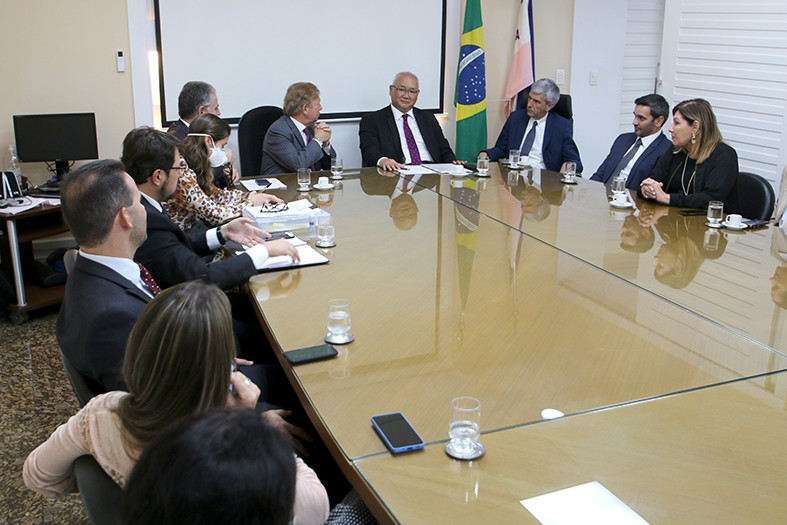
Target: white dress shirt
[[419, 139], [126, 268], [536, 157]]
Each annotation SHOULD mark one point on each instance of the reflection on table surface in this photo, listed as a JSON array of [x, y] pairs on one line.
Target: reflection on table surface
[[482, 289], [710, 456]]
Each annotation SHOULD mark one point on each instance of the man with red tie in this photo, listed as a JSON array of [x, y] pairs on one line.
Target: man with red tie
[[402, 134], [106, 290]]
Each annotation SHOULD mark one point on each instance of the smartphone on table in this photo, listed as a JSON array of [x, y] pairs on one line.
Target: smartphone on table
[[397, 433]]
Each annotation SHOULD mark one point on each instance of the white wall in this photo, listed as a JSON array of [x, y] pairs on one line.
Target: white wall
[[599, 40]]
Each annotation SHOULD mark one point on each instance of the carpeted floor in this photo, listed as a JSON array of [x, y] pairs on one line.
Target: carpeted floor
[[35, 397]]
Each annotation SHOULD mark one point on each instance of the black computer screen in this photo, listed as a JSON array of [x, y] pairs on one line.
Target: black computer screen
[[63, 136]]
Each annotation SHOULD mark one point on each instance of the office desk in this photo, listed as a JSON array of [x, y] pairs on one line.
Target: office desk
[[447, 301], [22, 229]]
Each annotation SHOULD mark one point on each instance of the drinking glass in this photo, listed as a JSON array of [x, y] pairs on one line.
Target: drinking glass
[[513, 158], [336, 168], [465, 429], [482, 166], [570, 171], [339, 322], [618, 185], [304, 179], [715, 212], [325, 232]]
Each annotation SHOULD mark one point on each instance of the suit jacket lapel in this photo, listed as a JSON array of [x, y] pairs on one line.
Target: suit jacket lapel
[[103, 272], [393, 132]]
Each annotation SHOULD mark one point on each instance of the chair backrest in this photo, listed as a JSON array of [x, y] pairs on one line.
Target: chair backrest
[[752, 197], [84, 388], [251, 132], [563, 107], [100, 495]]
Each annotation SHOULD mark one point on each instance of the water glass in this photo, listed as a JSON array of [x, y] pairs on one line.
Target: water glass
[[715, 212], [465, 429], [336, 168], [339, 322], [513, 158], [570, 171], [304, 179], [618, 185], [325, 232], [482, 166]]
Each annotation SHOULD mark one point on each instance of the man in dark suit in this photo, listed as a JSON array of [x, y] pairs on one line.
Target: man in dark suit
[[402, 134], [171, 255], [105, 291], [296, 139], [542, 136], [194, 99], [633, 155]]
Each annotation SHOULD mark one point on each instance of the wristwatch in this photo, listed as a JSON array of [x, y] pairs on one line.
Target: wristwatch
[[219, 236]]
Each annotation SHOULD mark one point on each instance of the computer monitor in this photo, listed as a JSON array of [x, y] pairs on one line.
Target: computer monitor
[[60, 138]]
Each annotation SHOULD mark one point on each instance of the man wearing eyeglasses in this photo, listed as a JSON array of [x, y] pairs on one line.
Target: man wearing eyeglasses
[[172, 255], [402, 134]]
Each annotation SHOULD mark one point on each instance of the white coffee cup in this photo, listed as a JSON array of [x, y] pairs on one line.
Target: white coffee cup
[[734, 219], [620, 198], [322, 182], [458, 169]]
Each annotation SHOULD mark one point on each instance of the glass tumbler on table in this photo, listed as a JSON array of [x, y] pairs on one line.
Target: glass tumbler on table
[[337, 166], [513, 158], [325, 232], [304, 179], [465, 429], [339, 322], [715, 213], [482, 166]]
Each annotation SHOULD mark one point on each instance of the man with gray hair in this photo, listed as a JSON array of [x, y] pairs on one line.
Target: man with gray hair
[[195, 99], [544, 137], [296, 139], [402, 134]]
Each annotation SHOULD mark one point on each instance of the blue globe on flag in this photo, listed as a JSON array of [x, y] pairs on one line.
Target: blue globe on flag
[[471, 84]]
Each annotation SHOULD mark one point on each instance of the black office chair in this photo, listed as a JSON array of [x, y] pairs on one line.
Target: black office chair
[[752, 197], [251, 132], [563, 107], [99, 493], [84, 387]]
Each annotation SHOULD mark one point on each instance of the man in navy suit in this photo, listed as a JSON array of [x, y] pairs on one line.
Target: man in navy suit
[[633, 155], [105, 291], [171, 255], [402, 134], [296, 139], [542, 136]]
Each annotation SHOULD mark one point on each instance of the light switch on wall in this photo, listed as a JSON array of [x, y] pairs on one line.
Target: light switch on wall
[[593, 81], [560, 76]]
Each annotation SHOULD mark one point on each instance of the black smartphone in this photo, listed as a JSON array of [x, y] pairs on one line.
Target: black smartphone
[[693, 212], [397, 433], [756, 223], [280, 235], [263, 182], [312, 353]]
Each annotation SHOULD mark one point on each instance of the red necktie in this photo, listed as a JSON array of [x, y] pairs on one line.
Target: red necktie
[[144, 274]]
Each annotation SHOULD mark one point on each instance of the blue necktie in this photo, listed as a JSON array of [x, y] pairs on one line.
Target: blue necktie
[[625, 160], [527, 145]]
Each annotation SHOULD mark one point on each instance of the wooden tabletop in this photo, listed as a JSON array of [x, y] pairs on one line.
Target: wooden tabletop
[[452, 294]]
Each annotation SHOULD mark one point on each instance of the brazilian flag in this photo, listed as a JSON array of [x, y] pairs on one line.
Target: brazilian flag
[[470, 96]]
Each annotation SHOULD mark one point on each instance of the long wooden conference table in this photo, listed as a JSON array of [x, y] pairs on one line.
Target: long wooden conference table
[[666, 355]]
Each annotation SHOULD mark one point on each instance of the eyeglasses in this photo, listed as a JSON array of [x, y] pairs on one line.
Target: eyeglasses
[[402, 91], [270, 207]]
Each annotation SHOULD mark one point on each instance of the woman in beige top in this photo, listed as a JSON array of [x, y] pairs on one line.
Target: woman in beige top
[[178, 362]]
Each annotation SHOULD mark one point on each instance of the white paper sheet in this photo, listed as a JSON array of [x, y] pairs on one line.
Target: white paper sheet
[[253, 185], [587, 504]]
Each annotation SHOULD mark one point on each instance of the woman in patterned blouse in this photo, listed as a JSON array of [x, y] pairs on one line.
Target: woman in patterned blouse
[[197, 197]]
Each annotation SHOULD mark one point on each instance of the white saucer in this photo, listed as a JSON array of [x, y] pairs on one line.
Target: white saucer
[[734, 227], [323, 188], [628, 204]]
